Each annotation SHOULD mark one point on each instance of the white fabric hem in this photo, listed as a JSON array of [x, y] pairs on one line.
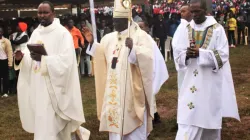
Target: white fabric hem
[[91, 51], [205, 58], [132, 57]]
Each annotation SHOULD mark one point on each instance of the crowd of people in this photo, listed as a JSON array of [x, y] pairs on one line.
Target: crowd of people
[[16, 33], [162, 23]]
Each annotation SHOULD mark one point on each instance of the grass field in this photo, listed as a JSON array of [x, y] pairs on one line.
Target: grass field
[[10, 127]]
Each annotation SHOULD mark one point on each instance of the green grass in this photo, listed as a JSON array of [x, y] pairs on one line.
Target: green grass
[[10, 126]]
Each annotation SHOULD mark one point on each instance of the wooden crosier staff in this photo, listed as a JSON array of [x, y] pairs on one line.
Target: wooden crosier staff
[[127, 4]]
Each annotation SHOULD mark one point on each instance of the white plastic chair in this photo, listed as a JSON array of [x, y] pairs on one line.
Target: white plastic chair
[[246, 36], [168, 48]]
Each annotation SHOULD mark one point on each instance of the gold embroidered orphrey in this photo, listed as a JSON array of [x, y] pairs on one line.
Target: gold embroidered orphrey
[[208, 36], [113, 114], [207, 40]]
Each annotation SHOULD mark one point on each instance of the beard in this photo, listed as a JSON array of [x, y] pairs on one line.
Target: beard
[[45, 22]]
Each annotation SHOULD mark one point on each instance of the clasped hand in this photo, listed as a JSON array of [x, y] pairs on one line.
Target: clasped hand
[[192, 52]]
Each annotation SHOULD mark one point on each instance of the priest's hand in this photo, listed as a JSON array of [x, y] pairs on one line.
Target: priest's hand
[[129, 43], [192, 52], [88, 35], [18, 55], [36, 56]]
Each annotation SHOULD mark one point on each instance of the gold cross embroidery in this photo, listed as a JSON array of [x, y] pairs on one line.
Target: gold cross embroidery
[[196, 72], [113, 81], [191, 105], [193, 89], [114, 87], [112, 95]]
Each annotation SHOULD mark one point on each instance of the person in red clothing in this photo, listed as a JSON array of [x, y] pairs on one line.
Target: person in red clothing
[[77, 35]]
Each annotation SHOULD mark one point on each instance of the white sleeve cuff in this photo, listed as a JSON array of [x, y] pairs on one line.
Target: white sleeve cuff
[[91, 50], [132, 57], [182, 62], [207, 58]]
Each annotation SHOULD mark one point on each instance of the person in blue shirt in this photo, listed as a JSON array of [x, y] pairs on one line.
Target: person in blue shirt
[[172, 26]]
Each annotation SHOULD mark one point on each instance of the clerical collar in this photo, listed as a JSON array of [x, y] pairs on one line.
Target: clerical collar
[[203, 23], [208, 22], [184, 21], [49, 28], [123, 32]]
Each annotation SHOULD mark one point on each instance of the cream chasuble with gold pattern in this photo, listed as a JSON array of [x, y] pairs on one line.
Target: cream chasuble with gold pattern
[[112, 89], [49, 95]]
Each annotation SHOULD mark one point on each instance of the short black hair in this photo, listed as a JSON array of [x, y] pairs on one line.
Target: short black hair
[[145, 21], [203, 3], [185, 4], [1, 27], [70, 18], [83, 21], [50, 4]]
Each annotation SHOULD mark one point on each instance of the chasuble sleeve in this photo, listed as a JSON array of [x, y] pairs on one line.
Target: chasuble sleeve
[[100, 66], [24, 92], [175, 42], [160, 71], [219, 55], [180, 46], [26, 60], [145, 60]]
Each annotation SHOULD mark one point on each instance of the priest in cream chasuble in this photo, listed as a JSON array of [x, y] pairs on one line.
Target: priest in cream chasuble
[[203, 55], [49, 95], [124, 79]]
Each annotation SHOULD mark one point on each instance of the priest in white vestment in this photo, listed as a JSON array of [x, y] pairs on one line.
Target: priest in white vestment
[[203, 97], [49, 96], [124, 79], [186, 17]]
